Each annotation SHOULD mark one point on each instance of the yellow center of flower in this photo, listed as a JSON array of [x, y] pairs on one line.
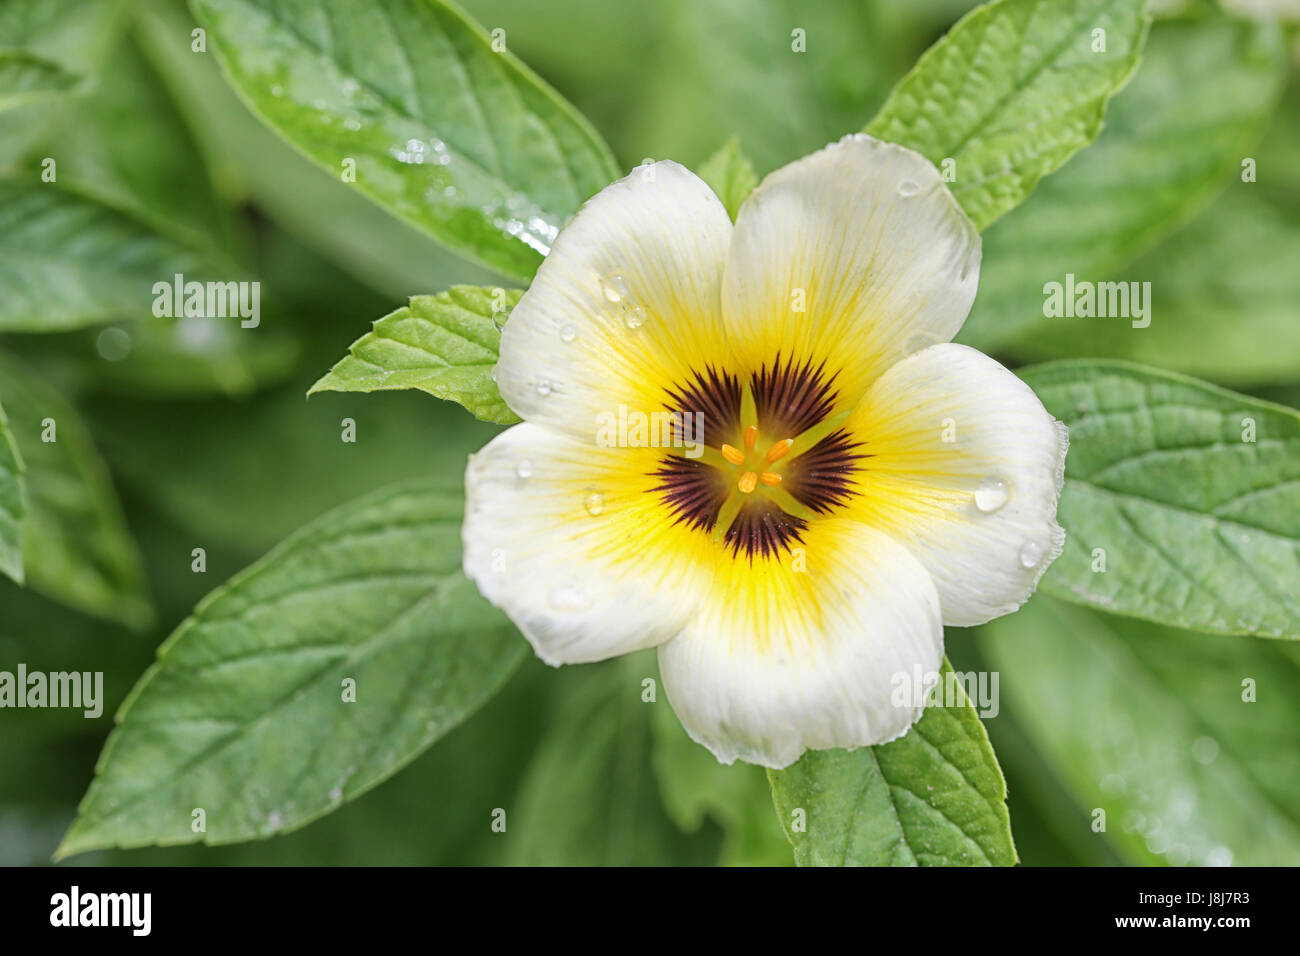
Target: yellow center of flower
[[753, 462], [756, 465], [774, 456]]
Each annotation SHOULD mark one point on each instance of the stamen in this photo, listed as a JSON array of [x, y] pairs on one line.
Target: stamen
[[777, 451], [727, 514], [790, 505], [748, 481], [733, 454], [770, 478], [751, 436], [748, 406], [812, 436]]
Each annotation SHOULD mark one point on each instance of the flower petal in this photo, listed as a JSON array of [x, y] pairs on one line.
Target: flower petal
[[965, 469], [564, 538], [857, 254], [625, 305], [781, 660]]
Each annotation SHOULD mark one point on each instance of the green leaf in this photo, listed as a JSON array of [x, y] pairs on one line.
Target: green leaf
[[934, 797], [200, 464], [731, 175], [76, 546], [135, 152], [64, 44], [68, 36], [587, 798], [244, 716], [444, 344], [695, 788], [186, 358], [789, 77], [463, 142], [68, 261], [1186, 494], [24, 78], [1015, 89], [254, 165], [13, 504], [1153, 726], [1173, 138], [1219, 288]]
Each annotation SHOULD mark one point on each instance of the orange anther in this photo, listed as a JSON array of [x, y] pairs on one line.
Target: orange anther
[[778, 450], [733, 454]]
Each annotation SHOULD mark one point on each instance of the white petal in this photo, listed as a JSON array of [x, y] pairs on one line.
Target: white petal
[[566, 539], [965, 469], [626, 304], [780, 660], [868, 241]]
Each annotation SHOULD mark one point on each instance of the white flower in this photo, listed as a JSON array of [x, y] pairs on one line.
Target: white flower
[[861, 481]]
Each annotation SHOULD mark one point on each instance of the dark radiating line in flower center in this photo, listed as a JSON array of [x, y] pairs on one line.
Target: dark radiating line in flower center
[[788, 401]]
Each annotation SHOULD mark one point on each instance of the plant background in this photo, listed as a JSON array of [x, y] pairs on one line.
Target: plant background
[[219, 449]]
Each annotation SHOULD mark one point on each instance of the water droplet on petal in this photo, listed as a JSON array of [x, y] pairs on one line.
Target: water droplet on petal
[[499, 319], [991, 495], [634, 317], [544, 388], [524, 469], [569, 599], [568, 333], [1031, 554], [907, 188], [615, 288], [594, 503]]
